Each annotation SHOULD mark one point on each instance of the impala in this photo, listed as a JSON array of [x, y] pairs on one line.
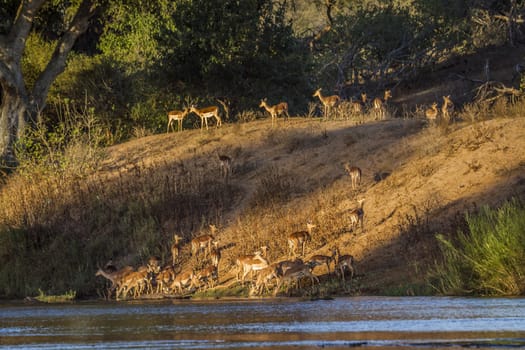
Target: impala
[[248, 263], [215, 255], [208, 276], [148, 285], [135, 281], [432, 112], [356, 215], [344, 262], [164, 278], [328, 102], [183, 280], [299, 239], [319, 259], [287, 264], [275, 111], [175, 249], [354, 173], [115, 277], [448, 108], [178, 118], [295, 273], [153, 265], [357, 106], [380, 106], [264, 278], [205, 113], [203, 242], [225, 163]]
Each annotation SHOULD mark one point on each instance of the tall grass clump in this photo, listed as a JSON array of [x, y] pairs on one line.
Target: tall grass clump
[[488, 259]]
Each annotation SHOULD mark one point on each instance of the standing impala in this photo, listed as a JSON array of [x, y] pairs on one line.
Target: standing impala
[[225, 163], [203, 242], [299, 239], [175, 249], [178, 118], [205, 113], [344, 262], [358, 107], [432, 112], [328, 102], [354, 173], [447, 109], [295, 273], [275, 111], [380, 106], [319, 259], [356, 215], [248, 263]]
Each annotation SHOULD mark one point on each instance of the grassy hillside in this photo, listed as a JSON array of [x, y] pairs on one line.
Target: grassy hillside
[[418, 180]]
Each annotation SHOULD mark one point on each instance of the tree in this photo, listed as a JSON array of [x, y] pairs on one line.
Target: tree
[[21, 105]]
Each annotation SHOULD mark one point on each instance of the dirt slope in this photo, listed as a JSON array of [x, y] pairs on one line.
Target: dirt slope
[[431, 176], [418, 180]]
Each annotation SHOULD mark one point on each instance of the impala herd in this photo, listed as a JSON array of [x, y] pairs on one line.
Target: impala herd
[[205, 252], [174, 278], [358, 107]]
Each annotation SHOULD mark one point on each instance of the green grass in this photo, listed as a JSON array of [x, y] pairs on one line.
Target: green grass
[[488, 259], [66, 297]]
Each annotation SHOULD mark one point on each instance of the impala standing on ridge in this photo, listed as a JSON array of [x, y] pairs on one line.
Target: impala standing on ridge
[[178, 118], [328, 102], [380, 106], [432, 112], [205, 113], [447, 109], [275, 111]]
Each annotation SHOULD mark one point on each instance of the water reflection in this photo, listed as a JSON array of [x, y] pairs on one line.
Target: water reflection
[[378, 323]]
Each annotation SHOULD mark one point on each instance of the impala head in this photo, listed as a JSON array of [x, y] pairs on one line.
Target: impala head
[[361, 202], [193, 109], [434, 105], [310, 226], [388, 94], [317, 92], [447, 99], [363, 97], [213, 229], [263, 103]]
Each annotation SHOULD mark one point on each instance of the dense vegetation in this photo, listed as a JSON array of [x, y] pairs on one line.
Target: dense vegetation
[[140, 59], [487, 259]]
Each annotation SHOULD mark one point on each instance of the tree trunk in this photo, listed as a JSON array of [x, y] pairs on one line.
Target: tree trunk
[[13, 117], [19, 106]]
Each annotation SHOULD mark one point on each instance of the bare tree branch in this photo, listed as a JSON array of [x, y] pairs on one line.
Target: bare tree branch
[[57, 63], [22, 25]]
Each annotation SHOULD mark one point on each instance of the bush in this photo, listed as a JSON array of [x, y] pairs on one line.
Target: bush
[[489, 259]]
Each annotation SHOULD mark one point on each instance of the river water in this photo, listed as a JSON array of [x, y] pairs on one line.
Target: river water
[[342, 323]]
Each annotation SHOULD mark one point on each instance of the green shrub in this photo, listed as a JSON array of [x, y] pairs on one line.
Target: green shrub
[[489, 259]]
